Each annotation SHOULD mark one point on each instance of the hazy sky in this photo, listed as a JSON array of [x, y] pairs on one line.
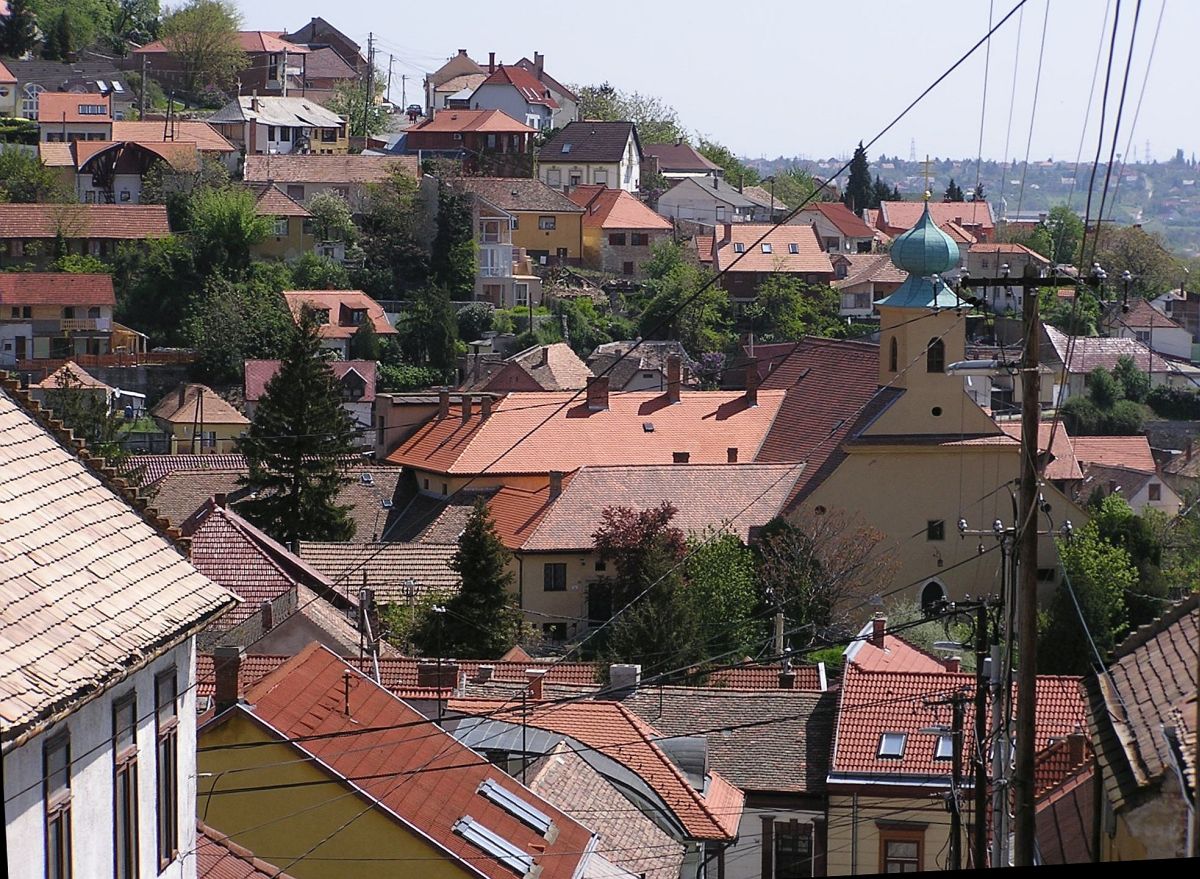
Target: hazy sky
[[796, 77]]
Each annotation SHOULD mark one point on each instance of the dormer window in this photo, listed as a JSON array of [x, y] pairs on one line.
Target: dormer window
[[358, 316], [93, 110], [891, 745], [944, 750]]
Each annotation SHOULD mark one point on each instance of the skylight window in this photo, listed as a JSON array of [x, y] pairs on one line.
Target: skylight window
[[493, 844], [766, 247], [515, 806], [793, 248], [566, 148], [891, 745], [945, 747], [738, 247]]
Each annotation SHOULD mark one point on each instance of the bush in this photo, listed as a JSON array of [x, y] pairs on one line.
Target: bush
[[474, 320], [1175, 403], [404, 377]]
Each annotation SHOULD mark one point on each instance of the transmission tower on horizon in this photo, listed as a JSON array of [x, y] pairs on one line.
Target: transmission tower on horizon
[[912, 149]]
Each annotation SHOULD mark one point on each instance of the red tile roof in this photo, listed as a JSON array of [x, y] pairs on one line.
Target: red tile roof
[[1065, 464], [65, 107], [1142, 314], [1064, 820], [83, 221], [256, 374], [149, 469], [680, 158], [896, 655], [72, 374], [616, 209], [844, 219], [759, 677], [862, 268], [55, 288], [339, 304], [206, 138], [1009, 247], [318, 169], [1130, 452], [181, 405], [899, 216], [704, 423], [180, 155], [247, 41], [616, 732], [1092, 351], [414, 770], [491, 121], [875, 702], [271, 201], [530, 89], [516, 512], [6, 74], [219, 857], [808, 259]]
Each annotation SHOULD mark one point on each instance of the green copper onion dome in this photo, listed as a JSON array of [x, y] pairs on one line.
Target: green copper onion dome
[[924, 249]]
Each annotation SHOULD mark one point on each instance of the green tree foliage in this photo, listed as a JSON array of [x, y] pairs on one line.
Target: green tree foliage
[[858, 187], [656, 121], [59, 42], [917, 629], [154, 281], [1066, 232], [704, 323], [364, 344], [25, 179], [452, 263], [292, 447], [722, 592], [881, 193], [953, 192], [737, 172], [203, 34], [229, 322], [332, 219], [1135, 384], [1101, 574], [18, 30], [1104, 411], [787, 309], [223, 225], [1076, 318], [1132, 249], [1141, 536], [475, 320], [364, 118], [405, 377], [156, 98], [482, 621], [314, 272], [136, 22], [795, 186], [81, 264], [85, 411], [1174, 403], [427, 331], [397, 237]]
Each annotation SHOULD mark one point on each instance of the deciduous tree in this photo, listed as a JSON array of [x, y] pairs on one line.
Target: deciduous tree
[[203, 34], [363, 117], [656, 121], [737, 172]]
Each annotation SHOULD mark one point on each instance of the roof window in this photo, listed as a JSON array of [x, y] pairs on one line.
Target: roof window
[[793, 248], [493, 844], [945, 747], [891, 745], [566, 148], [766, 247], [93, 110], [515, 806], [738, 247]]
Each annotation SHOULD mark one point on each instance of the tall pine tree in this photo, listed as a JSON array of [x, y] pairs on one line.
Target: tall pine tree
[[858, 187], [953, 192], [18, 31], [294, 443]]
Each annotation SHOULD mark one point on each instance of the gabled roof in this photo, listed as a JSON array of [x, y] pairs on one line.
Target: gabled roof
[[518, 194], [457, 65], [55, 288], [1092, 351], [708, 497], [91, 590], [762, 741], [905, 214], [178, 154], [339, 304], [315, 168], [554, 367], [6, 75], [710, 187], [184, 403], [590, 142], [623, 359], [681, 158], [896, 654], [486, 121], [275, 110], [416, 772], [179, 494], [616, 732], [71, 373], [326, 63], [1141, 315], [637, 428], [1009, 247], [385, 567], [774, 253], [247, 41], [862, 268], [1130, 452], [206, 138], [256, 374], [1065, 462], [616, 209], [68, 107], [84, 221], [526, 84], [547, 79], [219, 857], [1064, 817], [145, 470], [762, 197], [843, 219], [271, 201], [1152, 674]]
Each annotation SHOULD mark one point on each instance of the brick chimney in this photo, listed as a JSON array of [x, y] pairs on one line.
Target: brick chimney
[[878, 627], [491, 62], [731, 454], [535, 677], [484, 673], [428, 674], [680, 457], [268, 615], [443, 404], [539, 63], [624, 677], [597, 393], [485, 407], [1076, 747], [674, 377], [953, 664], [182, 394], [227, 664], [221, 499], [556, 478], [752, 381], [787, 679], [468, 404]]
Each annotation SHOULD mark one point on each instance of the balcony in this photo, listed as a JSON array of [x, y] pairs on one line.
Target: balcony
[[89, 324]]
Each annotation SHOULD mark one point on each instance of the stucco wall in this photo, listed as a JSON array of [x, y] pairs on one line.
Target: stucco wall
[[855, 824], [568, 233]]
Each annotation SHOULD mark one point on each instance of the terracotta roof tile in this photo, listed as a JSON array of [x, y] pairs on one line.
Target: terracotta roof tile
[[526, 84], [177, 495], [517, 512], [553, 367], [55, 288], [762, 197], [899, 216], [488, 121], [843, 219], [70, 373], [219, 857], [56, 154], [896, 655], [616, 209], [181, 405], [547, 79], [764, 677], [385, 567], [325, 63], [1130, 452], [66, 107], [256, 374], [1064, 820], [271, 201], [616, 732], [148, 469], [1065, 464], [809, 258], [339, 304], [680, 158], [1009, 247], [89, 588], [84, 221], [6, 74], [704, 423], [1092, 351], [519, 194], [1142, 314], [206, 138], [318, 169], [863, 267]]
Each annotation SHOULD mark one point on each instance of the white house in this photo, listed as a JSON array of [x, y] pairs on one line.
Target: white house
[[590, 152], [1151, 327], [97, 674]]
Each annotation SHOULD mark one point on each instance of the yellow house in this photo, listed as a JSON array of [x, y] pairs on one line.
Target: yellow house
[[317, 804], [291, 235], [197, 420], [548, 225]]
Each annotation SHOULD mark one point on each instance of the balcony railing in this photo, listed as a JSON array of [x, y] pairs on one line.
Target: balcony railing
[[67, 324], [495, 271]]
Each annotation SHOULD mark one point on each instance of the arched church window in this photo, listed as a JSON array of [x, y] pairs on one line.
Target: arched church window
[[893, 355], [935, 356]]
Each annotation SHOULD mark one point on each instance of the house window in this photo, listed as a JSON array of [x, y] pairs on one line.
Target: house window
[[126, 195], [125, 788], [554, 177], [738, 247], [548, 224], [281, 226], [944, 749], [208, 439], [1155, 491], [554, 577], [285, 134], [639, 239], [521, 294], [617, 239], [89, 197], [720, 212], [935, 529], [891, 745], [561, 253], [892, 355], [935, 356], [94, 312], [793, 850], [329, 135], [271, 132], [900, 850], [295, 191], [793, 248], [576, 178], [69, 312], [627, 268], [29, 103], [600, 177], [766, 247], [166, 723], [56, 771], [358, 316]]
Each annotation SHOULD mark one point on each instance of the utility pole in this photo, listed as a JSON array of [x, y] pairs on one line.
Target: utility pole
[[391, 64], [957, 703], [142, 96], [283, 81], [404, 90], [979, 757], [368, 97]]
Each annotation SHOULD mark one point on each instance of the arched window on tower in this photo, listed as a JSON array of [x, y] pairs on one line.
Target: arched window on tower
[[935, 356], [893, 355], [931, 594]]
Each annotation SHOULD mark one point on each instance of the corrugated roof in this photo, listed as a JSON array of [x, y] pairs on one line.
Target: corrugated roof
[[55, 288], [318, 169], [75, 221], [276, 110], [774, 253], [616, 209], [88, 589]]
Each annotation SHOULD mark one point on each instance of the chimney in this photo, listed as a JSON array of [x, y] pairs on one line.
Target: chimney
[[597, 393], [254, 101], [468, 404], [787, 679], [539, 63], [544, 355], [674, 377], [535, 677], [1076, 747], [624, 677], [443, 404], [462, 52], [221, 500], [731, 455], [556, 478], [268, 615], [953, 664], [491, 62], [485, 407], [752, 381], [484, 673], [878, 627], [431, 674], [182, 394], [716, 183], [680, 457], [227, 665]]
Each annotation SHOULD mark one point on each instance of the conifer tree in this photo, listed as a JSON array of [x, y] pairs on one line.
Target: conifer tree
[[879, 192], [18, 32], [953, 192], [294, 443], [482, 620], [858, 187]]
